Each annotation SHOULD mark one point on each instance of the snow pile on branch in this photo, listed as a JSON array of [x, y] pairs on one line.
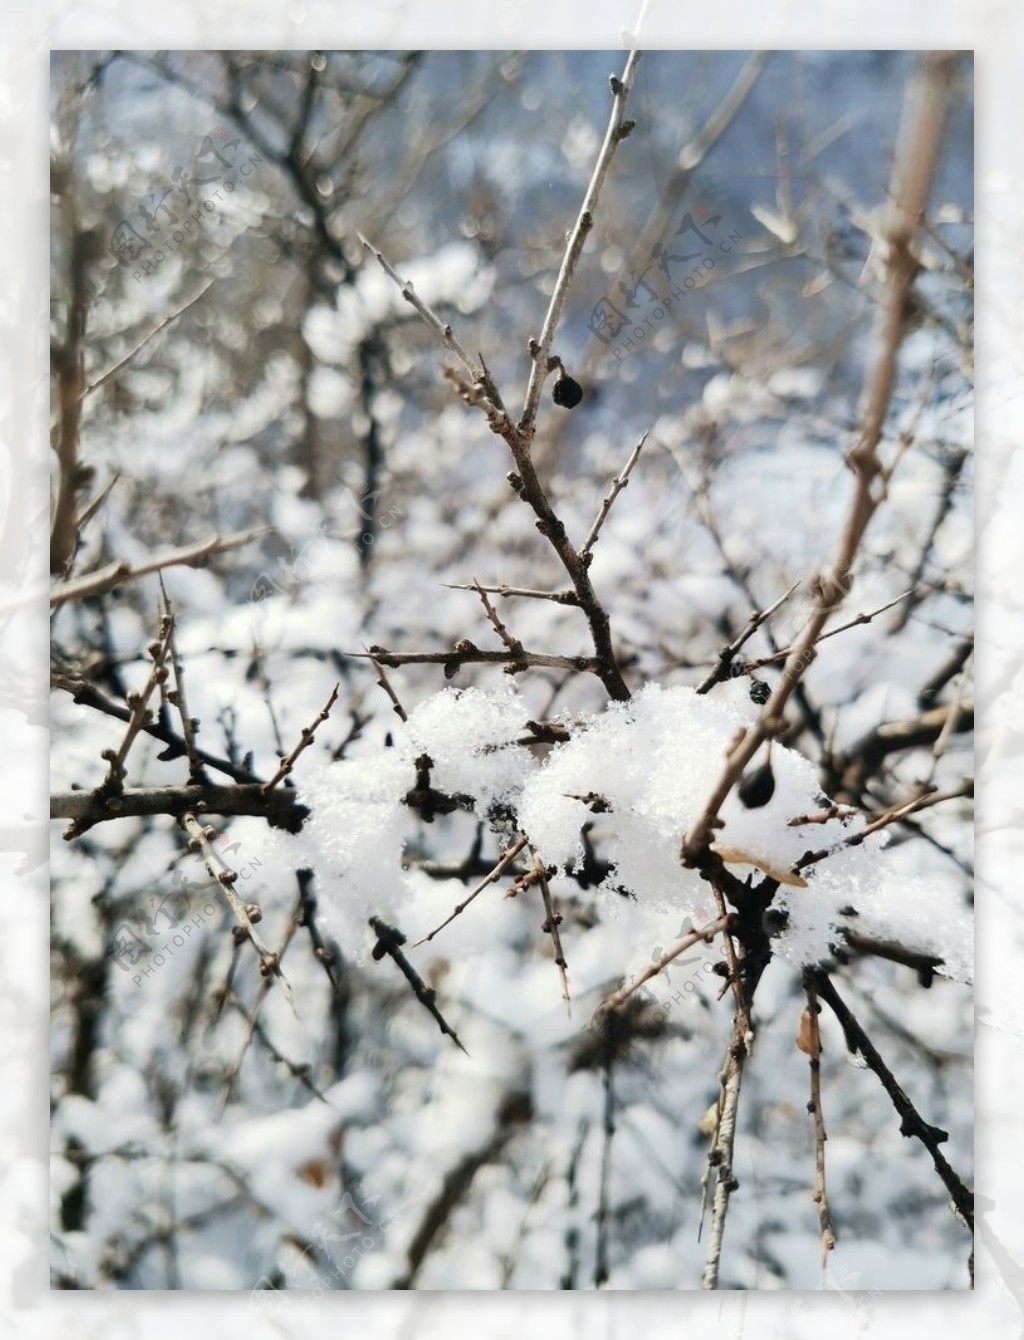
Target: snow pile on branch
[[360, 822], [654, 760], [639, 772]]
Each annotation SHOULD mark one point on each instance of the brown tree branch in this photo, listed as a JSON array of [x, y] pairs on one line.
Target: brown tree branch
[[917, 153], [618, 129], [114, 574], [245, 914], [305, 740], [809, 1041], [912, 1124], [281, 809]]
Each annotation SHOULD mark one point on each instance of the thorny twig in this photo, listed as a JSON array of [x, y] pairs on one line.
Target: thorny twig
[[389, 942], [550, 925], [720, 1152], [809, 1041], [139, 714], [305, 915], [917, 154], [723, 666], [559, 597], [176, 697], [270, 964], [618, 484], [385, 684], [482, 391], [89, 696], [618, 129], [281, 809], [783, 653], [912, 1124], [515, 647], [465, 652], [896, 814], [251, 1016], [441, 328], [305, 740], [114, 574], [705, 936], [507, 859]]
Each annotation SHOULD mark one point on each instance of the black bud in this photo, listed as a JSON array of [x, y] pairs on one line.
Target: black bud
[[759, 692], [757, 787], [567, 392]]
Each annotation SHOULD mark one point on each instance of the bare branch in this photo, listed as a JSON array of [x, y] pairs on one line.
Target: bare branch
[[465, 653], [128, 358], [896, 814], [97, 502], [917, 153], [720, 1153], [389, 942], [728, 654], [618, 484], [552, 921], [705, 936], [857, 622], [441, 328], [855, 765], [385, 684], [305, 740], [506, 860], [912, 1124], [245, 915], [559, 597], [139, 713], [176, 697], [281, 809], [692, 155], [618, 129], [89, 696], [809, 1041], [191, 556], [515, 647]]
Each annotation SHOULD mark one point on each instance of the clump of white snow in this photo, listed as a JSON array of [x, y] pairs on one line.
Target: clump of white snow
[[654, 760], [359, 825], [641, 772]]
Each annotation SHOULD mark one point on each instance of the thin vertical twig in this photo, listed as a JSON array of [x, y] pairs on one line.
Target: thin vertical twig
[[608, 1132], [618, 129], [720, 1154], [809, 1041], [176, 697], [552, 920]]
